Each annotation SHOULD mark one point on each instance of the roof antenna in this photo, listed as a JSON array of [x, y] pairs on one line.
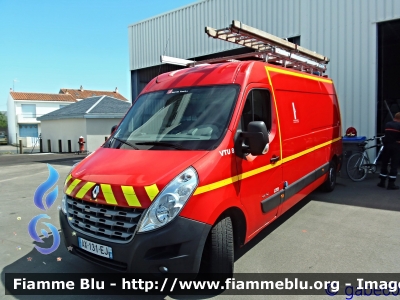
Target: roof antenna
[[159, 70]]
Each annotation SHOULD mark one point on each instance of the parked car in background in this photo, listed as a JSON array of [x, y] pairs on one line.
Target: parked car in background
[[3, 138]]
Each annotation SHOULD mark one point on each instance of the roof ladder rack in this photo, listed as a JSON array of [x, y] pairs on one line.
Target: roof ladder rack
[[274, 49]]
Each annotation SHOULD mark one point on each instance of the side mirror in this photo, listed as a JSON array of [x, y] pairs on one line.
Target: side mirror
[[113, 128], [257, 136]]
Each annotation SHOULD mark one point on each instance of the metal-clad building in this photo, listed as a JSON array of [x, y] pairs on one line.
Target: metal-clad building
[[361, 38]]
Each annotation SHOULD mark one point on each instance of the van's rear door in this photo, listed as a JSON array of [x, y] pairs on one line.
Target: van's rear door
[[261, 176]]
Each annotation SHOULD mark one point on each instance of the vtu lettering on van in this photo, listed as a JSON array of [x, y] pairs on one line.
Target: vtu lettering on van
[[227, 152]]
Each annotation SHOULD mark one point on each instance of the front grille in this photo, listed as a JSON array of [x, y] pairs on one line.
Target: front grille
[[111, 223]]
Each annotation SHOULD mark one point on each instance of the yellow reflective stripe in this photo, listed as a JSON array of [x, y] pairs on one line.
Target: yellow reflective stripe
[[152, 191], [259, 170], [68, 178], [294, 156], [215, 185], [108, 194], [130, 196], [276, 109], [72, 186], [224, 182], [299, 75], [82, 192]]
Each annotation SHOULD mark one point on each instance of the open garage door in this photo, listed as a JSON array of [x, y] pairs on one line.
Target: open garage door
[[388, 72]]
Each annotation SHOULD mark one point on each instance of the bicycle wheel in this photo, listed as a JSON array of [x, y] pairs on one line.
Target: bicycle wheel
[[356, 168]]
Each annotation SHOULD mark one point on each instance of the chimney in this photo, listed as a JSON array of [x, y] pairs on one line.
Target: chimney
[[116, 90], [81, 88], [11, 89]]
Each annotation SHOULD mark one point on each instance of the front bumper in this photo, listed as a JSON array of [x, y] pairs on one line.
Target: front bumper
[[177, 246]]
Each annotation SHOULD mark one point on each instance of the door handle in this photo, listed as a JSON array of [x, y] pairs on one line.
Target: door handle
[[274, 159]]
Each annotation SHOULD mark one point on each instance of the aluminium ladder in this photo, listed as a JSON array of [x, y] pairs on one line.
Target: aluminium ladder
[[268, 48], [272, 48]]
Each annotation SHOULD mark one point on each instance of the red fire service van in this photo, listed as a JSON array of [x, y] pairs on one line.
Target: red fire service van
[[206, 158]]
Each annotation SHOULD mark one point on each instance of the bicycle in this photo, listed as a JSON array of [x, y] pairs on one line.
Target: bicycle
[[359, 165]]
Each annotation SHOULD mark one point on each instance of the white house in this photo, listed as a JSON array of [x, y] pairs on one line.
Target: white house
[[24, 108]]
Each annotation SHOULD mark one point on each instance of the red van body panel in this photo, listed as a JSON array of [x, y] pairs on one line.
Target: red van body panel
[[217, 166], [317, 121], [309, 117], [199, 76]]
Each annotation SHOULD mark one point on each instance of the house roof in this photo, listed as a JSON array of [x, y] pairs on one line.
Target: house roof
[[93, 107], [83, 94], [42, 97]]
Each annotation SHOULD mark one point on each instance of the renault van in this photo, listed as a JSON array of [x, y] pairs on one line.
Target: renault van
[[205, 159]]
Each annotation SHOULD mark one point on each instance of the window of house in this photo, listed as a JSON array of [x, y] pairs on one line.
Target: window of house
[[28, 110]]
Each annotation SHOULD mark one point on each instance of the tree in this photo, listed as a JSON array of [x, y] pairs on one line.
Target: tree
[[3, 120]]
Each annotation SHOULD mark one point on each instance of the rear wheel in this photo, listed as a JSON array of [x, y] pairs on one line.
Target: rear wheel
[[219, 249], [330, 183], [356, 167]]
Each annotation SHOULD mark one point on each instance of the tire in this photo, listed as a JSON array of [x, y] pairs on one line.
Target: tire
[[354, 171], [218, 254], [330, 183]]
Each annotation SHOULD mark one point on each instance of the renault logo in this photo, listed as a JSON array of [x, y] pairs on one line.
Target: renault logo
[[95, 191]]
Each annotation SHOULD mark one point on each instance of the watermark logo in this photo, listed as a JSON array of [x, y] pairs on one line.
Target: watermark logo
[[45, 203], [44, 187]]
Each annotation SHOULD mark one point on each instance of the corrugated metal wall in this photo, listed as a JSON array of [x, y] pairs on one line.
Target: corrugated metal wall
[[343, 30], [184, 29]]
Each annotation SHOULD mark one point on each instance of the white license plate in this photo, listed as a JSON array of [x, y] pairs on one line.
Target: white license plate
[[95, 248]]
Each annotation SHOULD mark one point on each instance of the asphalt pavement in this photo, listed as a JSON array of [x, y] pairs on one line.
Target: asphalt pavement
[[353, 229], [10, 149]]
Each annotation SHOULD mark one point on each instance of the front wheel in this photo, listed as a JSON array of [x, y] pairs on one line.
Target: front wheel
[[356, 167], [218, 250]]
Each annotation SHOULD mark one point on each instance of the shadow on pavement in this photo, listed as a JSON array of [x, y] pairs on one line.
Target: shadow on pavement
[[65, 159], [365, 193], [60, 261], [347, 192], [271, 228]]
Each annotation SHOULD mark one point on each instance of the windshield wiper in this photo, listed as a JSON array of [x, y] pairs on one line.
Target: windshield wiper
[[125, 142], [171, 145]]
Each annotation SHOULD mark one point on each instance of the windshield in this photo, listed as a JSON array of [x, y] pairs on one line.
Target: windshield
[[193, 118]]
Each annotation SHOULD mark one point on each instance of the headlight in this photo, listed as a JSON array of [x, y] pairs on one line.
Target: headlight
[[64, 204], [170, 201]]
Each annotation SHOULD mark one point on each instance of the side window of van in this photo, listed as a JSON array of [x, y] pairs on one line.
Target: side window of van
[[256, 108]]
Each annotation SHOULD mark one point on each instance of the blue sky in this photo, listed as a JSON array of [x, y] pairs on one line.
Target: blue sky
[[48, 45]]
